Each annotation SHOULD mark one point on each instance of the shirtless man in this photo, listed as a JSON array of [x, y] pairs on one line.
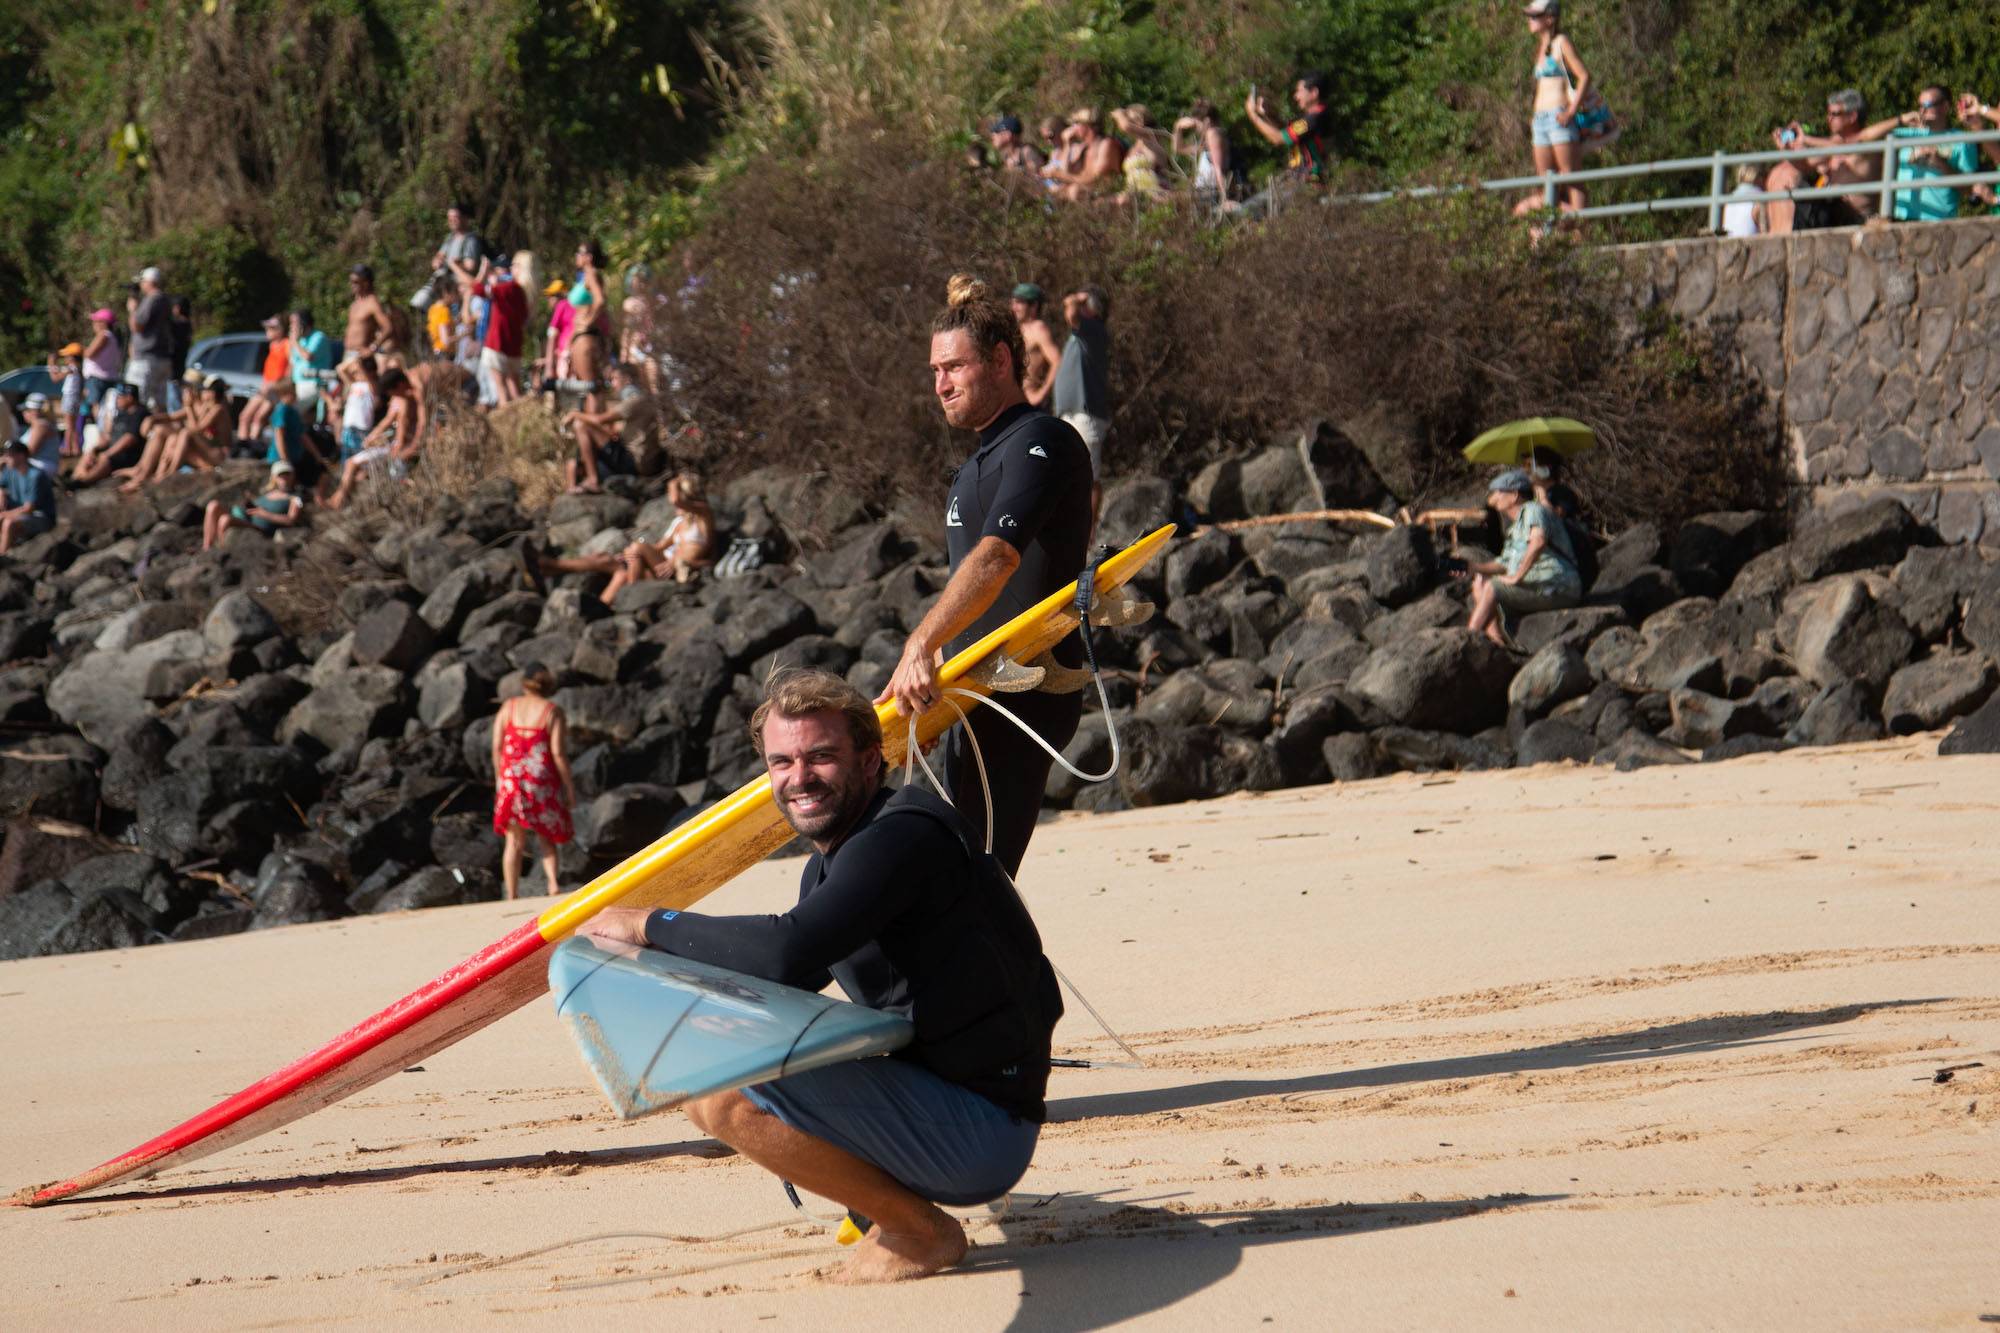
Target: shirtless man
[[1843, 122], [396, 439], [1038, 376], [368, 329], [1102, 158]]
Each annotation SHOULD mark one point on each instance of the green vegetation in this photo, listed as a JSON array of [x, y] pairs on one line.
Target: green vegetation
[[260, 146]]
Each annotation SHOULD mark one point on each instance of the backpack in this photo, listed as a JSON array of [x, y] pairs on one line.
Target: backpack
[[744, 554], [1583, 546]]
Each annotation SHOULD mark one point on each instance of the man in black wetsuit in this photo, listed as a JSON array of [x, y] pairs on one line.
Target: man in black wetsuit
[[903, 909], [1016, 525]]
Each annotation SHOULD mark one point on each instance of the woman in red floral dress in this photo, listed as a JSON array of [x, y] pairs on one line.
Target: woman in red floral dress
[[532, 788]]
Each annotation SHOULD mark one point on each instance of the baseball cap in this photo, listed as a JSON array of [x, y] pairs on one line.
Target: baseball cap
[[281, 467], [191, 376], [1538, 8], [71, 349], [17, 447], [1513, 479], [36, 400], [362, 271], [149, 274], [125, 390], [1028, 291], [555, 288], [1007, 124], [102, 316]]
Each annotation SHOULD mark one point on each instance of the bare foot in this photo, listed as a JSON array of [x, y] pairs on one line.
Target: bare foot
[[884, 1256]]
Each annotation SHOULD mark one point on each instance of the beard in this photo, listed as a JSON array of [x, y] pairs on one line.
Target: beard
[[841, 804]]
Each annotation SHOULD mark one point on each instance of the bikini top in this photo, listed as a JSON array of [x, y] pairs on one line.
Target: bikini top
[[579, 295], [1551, 66]]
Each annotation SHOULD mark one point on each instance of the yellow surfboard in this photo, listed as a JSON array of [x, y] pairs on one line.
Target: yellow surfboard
[[680, 869]]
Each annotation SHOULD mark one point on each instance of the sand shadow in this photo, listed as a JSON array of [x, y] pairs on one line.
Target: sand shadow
[[569, 1162], [1692, 1037], [1067, 1287]]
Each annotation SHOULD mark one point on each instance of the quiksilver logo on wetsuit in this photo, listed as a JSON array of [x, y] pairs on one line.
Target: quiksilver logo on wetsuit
[[1036, 450], [1009, 521], [951, 515]]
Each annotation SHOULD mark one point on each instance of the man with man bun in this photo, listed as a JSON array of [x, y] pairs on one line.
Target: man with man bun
[[1016, 525]]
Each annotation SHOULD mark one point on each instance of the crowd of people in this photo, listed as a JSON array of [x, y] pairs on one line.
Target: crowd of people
[[331, 415], [1124, 158], [1569, 119]]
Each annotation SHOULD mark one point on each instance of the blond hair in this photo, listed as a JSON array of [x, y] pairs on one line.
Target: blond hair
[[971, 306], [803, 691]]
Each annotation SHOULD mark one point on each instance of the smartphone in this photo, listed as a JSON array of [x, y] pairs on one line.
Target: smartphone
[[1788, 136], [1253, 92]]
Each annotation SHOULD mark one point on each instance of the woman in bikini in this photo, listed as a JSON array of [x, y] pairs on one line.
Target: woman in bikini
[[686, 547], [1560, 83], [589, 345], [532, 788], [201, 441]]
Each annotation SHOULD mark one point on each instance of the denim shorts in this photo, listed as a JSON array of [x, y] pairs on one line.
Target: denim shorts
[[352, 440], [938, 1140], [1549, 131]]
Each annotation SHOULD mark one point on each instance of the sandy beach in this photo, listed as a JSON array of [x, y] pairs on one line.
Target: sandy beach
[[1559, 1047]]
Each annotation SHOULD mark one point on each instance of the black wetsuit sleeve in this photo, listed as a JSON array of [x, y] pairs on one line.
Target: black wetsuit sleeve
[[1032, 479], [876, 876]]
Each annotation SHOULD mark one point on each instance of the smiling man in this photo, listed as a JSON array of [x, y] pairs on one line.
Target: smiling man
[[1016, 526], [899, 906]]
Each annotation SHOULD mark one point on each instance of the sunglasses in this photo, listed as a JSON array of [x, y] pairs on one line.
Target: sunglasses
[[1930, 106]]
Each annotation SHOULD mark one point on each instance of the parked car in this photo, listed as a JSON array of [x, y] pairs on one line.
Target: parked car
[[18, 384], [237, 359]]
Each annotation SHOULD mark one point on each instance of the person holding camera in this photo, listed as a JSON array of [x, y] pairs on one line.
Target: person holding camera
[[1536, 570]]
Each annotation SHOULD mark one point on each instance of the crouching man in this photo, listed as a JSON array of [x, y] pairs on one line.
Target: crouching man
[[904, 909]]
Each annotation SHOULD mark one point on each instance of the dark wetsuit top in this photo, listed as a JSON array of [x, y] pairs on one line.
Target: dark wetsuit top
[[912, 920], [1029, 485]]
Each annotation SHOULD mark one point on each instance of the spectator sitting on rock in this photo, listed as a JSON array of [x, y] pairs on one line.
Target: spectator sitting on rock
[[1536, 570], [1843, 120], [256, 414], [1011, 147], [1935, 203], [604, 439], [395, 441], [684, 549], [290, 442], [44, 439], [1098, 158], [161, 428], [203, 442], [122, 442], [279, 507], [1038, 372], [31, 498]]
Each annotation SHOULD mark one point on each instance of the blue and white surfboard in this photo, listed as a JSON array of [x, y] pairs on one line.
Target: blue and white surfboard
[[657, 1031]]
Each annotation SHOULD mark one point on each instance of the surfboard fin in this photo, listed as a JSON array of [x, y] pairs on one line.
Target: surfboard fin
[[1117, 606], [1003, 675], [1057, 678]]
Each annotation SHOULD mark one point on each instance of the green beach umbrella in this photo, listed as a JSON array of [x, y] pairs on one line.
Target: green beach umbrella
[[1515, 441]]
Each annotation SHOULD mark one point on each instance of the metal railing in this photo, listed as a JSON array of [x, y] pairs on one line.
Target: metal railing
[[1718, 165]]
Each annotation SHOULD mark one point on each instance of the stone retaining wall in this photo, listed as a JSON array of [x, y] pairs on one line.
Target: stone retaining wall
[[1876, 348]]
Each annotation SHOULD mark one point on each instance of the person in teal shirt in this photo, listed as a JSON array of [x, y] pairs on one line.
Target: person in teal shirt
[[289, 442], [1932, 117], [312, 352]]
